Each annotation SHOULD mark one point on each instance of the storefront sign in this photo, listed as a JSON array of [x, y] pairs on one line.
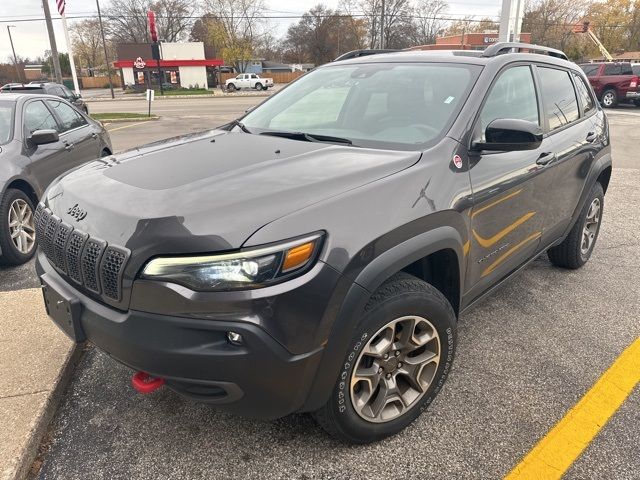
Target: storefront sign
[[139, 63]]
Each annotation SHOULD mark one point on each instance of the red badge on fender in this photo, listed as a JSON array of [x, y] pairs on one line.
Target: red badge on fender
[[457, 161]]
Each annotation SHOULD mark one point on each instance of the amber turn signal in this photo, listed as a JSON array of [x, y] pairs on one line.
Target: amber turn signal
[[296, 257]]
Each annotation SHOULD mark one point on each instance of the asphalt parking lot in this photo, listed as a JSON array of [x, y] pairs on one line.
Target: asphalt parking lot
[[526, 355]]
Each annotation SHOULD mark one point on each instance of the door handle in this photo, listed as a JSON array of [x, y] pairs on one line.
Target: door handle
[[68, 146], [546, 157], [94, 135], [591, 137]]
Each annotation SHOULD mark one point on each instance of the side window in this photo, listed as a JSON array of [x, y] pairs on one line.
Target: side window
[[67, 93], [38, 117], [558, 96], [58, 92], [254, 76], [586, 100], [513, 95], [612, 69], [625, 69], [68, 116]]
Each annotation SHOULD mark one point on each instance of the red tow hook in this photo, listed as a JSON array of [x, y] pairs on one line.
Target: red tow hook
[[145, 383]]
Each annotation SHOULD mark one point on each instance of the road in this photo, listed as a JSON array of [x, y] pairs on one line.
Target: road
[[526, 355]]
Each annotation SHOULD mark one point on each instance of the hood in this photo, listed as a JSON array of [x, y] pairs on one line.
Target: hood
[[210, 191]]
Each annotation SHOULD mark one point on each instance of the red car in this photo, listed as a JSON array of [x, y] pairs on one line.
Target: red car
[[613, 82]]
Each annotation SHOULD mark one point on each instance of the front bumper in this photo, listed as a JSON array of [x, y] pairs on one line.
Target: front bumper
[[259, 378]]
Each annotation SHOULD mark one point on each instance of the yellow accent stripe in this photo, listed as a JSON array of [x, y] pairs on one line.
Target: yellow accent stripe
[[487, 242], [564, 443], [466, 247], [508, 253], [496, 202]]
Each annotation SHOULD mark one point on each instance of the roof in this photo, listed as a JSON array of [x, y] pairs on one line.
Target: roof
[[17, 96], [475, 57], [275, 65]]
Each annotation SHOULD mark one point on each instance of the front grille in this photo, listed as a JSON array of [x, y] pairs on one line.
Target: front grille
[[88, 261]]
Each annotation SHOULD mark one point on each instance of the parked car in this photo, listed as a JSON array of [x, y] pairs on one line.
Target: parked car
[[41, 137], [50, 88], [613, 82], [315, 255], [249, 80]]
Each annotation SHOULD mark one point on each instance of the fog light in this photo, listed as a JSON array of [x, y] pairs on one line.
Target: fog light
[[234, 338]]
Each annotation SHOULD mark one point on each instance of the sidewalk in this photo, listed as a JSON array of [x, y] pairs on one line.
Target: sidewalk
[[36, 361]]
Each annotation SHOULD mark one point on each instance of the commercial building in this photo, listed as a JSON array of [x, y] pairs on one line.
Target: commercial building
[[182, 65], [467, 41]]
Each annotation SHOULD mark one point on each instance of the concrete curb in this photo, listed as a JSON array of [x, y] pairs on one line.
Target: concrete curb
[[23, 463], [152, 118], [177, 97]]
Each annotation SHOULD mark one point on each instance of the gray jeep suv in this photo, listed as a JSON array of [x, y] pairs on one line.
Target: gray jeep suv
[[315, 255]]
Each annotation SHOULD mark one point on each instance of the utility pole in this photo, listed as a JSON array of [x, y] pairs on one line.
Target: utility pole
[[382, 26], [511, 20], [15, 59], [52, 42], [104, 44]]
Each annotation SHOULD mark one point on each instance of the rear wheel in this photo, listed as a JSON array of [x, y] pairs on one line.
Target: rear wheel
[[18, 233], [577, 248], [397, 362], [258, 86], [610, 98]]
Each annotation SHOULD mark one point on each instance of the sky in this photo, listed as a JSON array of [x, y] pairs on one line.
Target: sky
[[30, 37]]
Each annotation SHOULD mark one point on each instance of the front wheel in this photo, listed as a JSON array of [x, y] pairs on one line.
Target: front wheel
[[577, 248], [396, 364], [17, 233], [610, 98], [231, 87]]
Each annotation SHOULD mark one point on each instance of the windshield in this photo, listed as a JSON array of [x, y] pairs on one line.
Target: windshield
[[379, 105], [6, 122]]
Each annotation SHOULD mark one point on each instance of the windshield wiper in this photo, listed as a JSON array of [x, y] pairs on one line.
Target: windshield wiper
[[239, 124], [309, 137]]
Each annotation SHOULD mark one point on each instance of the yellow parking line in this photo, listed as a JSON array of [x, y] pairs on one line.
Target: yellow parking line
[[555, 453], [126, 126]]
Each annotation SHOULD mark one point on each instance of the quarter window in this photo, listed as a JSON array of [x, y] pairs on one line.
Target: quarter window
[[38, 117], [68, 116], [612, 69], [558, 96], [512, 96], [586, 100]]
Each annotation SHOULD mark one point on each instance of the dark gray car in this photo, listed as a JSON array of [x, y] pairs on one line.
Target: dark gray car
[[41, 137], [47, 88], [315, 255]]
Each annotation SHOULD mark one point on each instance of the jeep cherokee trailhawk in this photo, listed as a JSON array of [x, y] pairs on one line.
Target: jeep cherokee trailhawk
[[314, 256]]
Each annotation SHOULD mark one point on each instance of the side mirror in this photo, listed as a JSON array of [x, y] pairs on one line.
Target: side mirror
[[42, 137], [510, 134]]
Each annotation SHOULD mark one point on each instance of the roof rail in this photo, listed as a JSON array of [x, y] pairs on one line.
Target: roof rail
[[363, 53], [507, 47]]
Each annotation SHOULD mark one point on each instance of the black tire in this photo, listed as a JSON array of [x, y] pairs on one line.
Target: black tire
[[231, 87], [266, 87], [10, 253], [610, 98], [569, 254], [636, 103], [258, 86], [402, 295], [105, 153]]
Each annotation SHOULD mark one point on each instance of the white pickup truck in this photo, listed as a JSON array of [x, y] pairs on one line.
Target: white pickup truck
[[248, 80]]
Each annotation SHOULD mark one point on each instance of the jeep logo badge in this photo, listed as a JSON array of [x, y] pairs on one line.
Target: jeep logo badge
[[77, 212]]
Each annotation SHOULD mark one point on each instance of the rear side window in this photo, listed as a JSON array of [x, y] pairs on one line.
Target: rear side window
[[584, 95], [68, 116], [38, 117], [626, 69], [613, 69], [512, 96], [558, 96], [6, 121], [590, 70]]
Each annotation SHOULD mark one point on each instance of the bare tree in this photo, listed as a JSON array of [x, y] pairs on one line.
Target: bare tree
[[128, 19], [429, 20], [87, 44], [237, 28]]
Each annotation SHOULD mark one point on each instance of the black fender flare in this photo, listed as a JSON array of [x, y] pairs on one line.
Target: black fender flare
[[366, 282]]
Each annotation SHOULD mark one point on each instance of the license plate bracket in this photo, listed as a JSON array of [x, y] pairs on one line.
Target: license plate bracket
[[64, 309]]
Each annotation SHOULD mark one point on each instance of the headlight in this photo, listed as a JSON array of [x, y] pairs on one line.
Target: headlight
[[253, 268]]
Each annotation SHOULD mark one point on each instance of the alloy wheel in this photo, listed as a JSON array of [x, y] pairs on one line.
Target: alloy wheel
[[21, 226], [395, 369], [607, 99], [591, 225]]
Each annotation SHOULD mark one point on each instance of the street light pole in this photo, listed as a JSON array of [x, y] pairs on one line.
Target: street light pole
[[104, 44], [52, 41], [15, 59]]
